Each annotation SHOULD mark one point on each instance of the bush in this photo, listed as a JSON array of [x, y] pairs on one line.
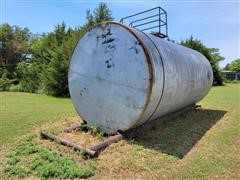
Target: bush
[[235, 81], [14, 88], [5, 83], [231, 81]]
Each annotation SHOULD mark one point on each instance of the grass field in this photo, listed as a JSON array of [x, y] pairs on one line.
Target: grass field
[[20, 112], [202, 144]]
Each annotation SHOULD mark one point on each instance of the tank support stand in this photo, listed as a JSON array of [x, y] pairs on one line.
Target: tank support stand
[[92, 151], [47, 135]]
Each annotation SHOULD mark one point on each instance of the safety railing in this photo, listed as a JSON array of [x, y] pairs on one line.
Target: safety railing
[[153, 20]]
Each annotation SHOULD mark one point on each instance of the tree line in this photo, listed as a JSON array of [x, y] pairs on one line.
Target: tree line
[[39, 63], [233, 66]]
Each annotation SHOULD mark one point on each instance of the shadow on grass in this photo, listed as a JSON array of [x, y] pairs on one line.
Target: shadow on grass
[[177, 135]]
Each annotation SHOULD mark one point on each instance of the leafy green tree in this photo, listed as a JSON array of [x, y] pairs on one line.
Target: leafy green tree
[[235, 65], [90, 19], [29, 74], [102, 13], [55, 79], [47, 67], [227, 67], [212, 54], [56, 49], [14, 47]]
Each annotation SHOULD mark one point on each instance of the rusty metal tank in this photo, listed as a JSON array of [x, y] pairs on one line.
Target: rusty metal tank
[[120, 77]]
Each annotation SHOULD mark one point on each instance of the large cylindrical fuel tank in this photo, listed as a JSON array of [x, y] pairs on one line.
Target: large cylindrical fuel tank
[[120, 77]]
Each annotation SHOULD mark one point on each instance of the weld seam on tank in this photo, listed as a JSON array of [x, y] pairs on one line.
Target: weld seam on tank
[[148, 114], [151, 74], [163, 77]]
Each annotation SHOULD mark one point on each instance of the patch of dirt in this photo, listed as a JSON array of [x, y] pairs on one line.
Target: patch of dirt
[[85, 139]]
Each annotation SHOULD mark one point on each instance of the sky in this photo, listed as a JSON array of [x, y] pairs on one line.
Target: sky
[[216, 23]]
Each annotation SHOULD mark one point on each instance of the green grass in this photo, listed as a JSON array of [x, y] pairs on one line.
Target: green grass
[[43, 163], [20, 112], [198, 145], [201, 144], [218, 156], [223, 97]]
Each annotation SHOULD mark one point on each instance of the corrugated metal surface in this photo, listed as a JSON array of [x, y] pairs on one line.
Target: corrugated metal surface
[[120, 77]]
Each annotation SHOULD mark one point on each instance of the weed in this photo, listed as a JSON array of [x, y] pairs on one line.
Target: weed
[[45, 164], [13, 159], [16, 170], [96, 131]]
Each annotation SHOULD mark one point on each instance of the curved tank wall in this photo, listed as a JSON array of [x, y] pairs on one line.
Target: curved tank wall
[[120, 77]]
